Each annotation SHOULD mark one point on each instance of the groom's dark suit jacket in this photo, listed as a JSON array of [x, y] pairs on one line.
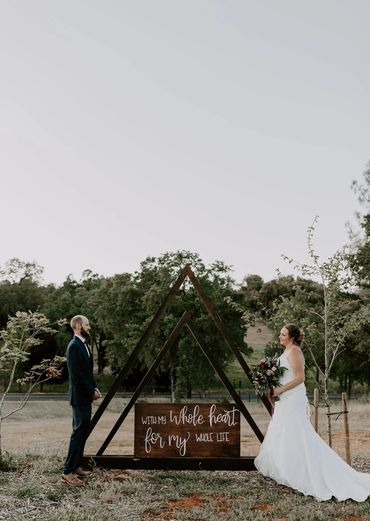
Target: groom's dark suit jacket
[[80, 368]]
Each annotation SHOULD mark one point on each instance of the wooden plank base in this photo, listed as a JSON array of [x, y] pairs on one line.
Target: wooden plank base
[[129, 462]]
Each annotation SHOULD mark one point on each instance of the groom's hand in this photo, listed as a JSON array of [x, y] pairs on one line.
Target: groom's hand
[[97, 394]]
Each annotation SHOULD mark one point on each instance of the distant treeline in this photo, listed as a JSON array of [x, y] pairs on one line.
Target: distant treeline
[[329, 300]]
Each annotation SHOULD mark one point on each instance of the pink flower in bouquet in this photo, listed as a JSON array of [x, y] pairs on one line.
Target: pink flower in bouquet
[[266, 375]]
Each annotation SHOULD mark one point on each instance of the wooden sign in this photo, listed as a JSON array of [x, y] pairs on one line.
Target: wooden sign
[[186, 430]]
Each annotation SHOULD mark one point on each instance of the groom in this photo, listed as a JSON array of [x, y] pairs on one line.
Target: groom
[[82, 391]]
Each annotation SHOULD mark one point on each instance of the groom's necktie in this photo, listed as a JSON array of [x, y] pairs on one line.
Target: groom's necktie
[[87, 349]]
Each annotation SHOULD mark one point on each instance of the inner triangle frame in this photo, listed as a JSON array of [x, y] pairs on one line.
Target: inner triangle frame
[[123, 461]]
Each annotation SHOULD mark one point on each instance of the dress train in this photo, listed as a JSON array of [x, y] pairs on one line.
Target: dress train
[[293, 454]]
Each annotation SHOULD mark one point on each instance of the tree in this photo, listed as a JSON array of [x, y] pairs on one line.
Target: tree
[[342, 314], [16, 271], [125, 305], [360, 258], [76, 297], [20, 288], [354, 363], [22, 333], [262, 297], [303, 306], [251, 287], [116, 304]]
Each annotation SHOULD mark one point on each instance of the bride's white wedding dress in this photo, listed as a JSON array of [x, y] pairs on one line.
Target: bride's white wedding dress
[[293, 454]]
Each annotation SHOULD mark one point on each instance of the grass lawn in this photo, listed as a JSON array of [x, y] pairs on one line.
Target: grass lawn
[[33, 490]]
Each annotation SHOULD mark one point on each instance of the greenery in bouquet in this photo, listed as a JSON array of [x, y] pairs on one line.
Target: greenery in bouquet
[[266, 375]]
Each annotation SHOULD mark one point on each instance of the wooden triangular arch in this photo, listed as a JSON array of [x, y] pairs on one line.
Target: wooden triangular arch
[[185, 320]]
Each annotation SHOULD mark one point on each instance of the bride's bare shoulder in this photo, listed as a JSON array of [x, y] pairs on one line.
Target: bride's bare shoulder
[[295, 353]]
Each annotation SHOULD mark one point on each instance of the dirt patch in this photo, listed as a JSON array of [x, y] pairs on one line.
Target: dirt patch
[[351, 518], [170, 507], [263, 507], [223, 504], [259, 335]]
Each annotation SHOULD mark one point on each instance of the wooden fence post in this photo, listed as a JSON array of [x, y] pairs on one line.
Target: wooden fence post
[[328, 415], [316, 408], [346, 426]]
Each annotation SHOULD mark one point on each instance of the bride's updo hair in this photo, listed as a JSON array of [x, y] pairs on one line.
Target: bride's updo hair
[[295, 333]]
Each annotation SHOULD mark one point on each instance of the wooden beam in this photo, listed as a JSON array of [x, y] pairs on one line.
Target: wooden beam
[[167, 345], [129, 462], [220, 326], [224, 379], [176, 463], [139, 346]]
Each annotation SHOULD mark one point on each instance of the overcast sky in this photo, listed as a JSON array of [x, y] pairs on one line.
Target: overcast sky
[[132, 128]]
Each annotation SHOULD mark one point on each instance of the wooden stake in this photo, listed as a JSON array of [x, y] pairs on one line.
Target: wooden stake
[[316, 408], [328, 415], [346, 426]]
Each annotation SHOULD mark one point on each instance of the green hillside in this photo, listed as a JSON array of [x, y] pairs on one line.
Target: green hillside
[[257, 338]]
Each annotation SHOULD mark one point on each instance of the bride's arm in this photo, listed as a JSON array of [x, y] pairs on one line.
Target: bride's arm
[[297, 362]]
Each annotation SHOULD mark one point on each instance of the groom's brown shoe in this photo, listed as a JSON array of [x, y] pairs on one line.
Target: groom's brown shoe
[[72, 480], [79, 472]]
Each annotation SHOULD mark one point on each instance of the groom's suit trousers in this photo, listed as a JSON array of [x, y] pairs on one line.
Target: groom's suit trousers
[[80, 425]]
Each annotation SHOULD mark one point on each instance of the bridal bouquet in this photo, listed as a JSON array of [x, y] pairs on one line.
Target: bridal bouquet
[[266, 375]]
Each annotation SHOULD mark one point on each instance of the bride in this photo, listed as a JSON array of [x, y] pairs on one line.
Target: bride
[[292, 453]]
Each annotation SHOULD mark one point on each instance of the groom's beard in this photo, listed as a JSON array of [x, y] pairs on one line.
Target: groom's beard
[[85, 334]]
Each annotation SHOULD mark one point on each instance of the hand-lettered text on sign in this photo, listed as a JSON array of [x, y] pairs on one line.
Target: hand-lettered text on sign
[[187, 430]]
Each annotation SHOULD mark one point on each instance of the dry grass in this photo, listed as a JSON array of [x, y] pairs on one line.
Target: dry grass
[[48, 424], [259, 335], [34, 492], [38, 438]]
